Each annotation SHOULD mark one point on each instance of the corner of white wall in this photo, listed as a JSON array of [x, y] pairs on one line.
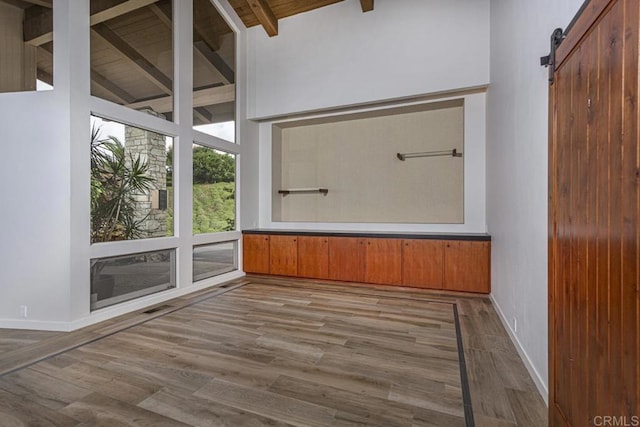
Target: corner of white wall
[[517, 105], [539, 381]]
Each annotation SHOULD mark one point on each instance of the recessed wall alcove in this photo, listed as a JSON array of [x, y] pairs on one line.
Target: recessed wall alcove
[[355, 158]]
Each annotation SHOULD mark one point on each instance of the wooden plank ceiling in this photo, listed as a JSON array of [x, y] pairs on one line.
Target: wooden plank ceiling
[[132, 49], [268, 12]]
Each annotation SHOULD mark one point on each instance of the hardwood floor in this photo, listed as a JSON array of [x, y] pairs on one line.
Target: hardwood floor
[[269, 351], [16, 339]]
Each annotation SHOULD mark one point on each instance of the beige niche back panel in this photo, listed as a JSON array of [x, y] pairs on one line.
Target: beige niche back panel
[[355, 158]]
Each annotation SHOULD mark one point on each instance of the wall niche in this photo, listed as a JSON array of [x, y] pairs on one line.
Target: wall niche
[[355, 157]]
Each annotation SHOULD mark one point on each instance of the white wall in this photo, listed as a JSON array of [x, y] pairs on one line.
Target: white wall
[[517, 169], [339, 56], [36, 263], [35, 210]]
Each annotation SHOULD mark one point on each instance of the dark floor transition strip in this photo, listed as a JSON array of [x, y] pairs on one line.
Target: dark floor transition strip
[[464, 379]]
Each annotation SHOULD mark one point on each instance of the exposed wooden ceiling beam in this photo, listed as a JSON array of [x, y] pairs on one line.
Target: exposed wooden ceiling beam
[[208, 29], [106, 11], [201, 98], [38, 23], [211, 56], [281, 8], [215, 95], [162, 15], [119, 95], [43, 3], [265, 16], [367, 5], [202, 115], [156, 76], [202, 48], [44, 76], [44, 54]]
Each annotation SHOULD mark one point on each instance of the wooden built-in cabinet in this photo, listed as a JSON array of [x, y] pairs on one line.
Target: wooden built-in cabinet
[[383, 261], [455, 265], [346, 259], [255, 253], [467, 266], [423, 263], [283, 253], [313, 257]]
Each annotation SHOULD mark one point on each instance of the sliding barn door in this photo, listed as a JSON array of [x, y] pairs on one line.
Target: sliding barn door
[[593, 219]]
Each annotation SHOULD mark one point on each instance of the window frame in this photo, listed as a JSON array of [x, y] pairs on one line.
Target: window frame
[[184, 136]]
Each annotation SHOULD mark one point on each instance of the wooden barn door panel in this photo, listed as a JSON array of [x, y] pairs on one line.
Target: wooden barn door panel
[[593, 218]]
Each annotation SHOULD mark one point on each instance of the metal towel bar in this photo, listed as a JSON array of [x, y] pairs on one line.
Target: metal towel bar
[[284, 192], [452, 153]]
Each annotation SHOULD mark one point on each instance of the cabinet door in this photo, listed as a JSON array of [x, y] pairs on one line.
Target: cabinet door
[[467, 266], [313, 257], [346, 259], [255, 253], [423, 263], [284, 255], [383, 261]]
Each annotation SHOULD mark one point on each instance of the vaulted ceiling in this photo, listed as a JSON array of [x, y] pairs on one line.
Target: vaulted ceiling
[[268, 12], [252, 12], [132, 44]]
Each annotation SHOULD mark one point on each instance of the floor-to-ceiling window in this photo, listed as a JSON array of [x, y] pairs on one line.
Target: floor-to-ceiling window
[[163, 150], [214, 151]]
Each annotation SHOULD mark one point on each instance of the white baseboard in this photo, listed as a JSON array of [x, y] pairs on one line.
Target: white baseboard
[[117, 310], [540, 383], [36, 325]]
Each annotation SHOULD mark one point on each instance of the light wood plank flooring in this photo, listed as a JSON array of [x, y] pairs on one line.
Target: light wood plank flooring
[[267, 351], [16, 339]]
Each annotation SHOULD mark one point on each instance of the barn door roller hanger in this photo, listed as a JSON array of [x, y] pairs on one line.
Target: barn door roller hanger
[[550, 60]]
